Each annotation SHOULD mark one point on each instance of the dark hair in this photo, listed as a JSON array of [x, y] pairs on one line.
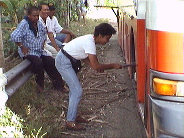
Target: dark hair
[[86, 3], [40, 5], [104, 29], [51, 7], [31, 9]]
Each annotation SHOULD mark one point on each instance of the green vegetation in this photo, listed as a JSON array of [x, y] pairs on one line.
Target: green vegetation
[[11, 125], [9, 47]]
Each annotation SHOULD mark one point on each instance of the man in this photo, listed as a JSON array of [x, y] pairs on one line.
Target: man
[[82, 48], [61, 35], [44, 19], [53, 45], [30, 36]]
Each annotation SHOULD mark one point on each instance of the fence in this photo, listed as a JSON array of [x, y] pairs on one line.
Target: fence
[[12, 80]]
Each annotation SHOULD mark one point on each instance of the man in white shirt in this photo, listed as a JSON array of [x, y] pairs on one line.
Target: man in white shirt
[[43, 17], [52, 44], [61, 35]]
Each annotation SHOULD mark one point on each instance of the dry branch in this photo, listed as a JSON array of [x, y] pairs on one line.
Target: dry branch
[[100, 121], [94, 89], [72, 134], [100, 84], [111, 101], [93, 117]]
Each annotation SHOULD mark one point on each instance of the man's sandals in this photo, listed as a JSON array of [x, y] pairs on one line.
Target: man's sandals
[[75, 125]]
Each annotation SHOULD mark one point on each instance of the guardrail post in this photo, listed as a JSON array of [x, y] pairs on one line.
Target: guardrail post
[[3, 94]]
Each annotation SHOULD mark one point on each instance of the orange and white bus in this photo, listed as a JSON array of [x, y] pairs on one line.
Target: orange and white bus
[[151, 34]]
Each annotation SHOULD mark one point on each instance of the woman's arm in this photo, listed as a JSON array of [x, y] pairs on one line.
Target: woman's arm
[[101, 67], [86, 60]]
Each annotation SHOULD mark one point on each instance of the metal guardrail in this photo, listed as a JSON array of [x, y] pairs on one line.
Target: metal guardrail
[[13, 80]]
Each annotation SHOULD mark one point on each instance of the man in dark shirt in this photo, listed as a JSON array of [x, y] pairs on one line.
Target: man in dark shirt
[[30, 36]]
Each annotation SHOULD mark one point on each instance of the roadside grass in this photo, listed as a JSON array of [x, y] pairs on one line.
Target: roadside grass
[[10, 124], [8, 46], [42, 114]]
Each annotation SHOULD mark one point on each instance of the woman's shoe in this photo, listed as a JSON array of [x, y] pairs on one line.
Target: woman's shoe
[[80, 119], [74, 126]]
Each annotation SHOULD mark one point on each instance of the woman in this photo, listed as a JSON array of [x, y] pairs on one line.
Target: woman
[[82, 48]]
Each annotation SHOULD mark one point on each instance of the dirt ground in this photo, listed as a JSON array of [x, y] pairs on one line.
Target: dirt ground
[[108, 100]]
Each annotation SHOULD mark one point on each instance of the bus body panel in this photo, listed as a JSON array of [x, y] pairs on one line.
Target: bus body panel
[[168, 118], [141, 60], [166, 51]]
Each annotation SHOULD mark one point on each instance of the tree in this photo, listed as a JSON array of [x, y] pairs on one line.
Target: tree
[[1, 40], [15, 8]]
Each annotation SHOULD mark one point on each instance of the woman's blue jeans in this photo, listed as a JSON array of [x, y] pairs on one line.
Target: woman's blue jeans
[[64, 67]]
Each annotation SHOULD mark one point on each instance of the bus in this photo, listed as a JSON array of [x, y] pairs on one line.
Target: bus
[[151, 35]]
